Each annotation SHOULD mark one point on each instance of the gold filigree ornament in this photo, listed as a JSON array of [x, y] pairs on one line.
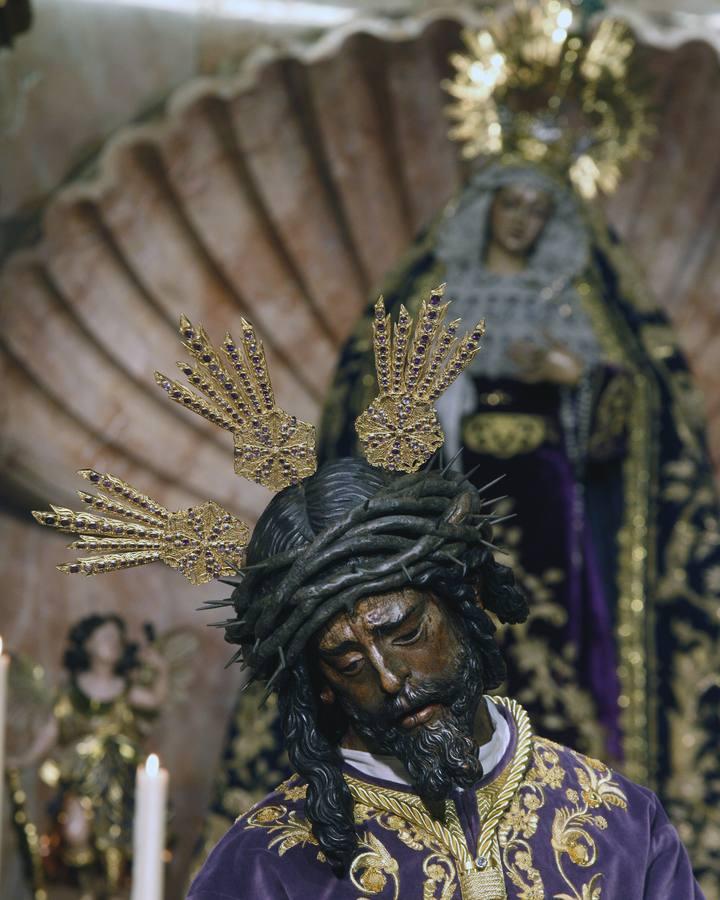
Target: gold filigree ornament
[[124, 528], [480, 873], [272, 448], [400, 430], [532, 86]]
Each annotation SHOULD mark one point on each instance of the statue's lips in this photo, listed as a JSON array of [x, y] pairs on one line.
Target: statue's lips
[[418, 716]]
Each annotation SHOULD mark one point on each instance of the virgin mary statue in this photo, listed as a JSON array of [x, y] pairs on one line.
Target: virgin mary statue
[[581, 399]]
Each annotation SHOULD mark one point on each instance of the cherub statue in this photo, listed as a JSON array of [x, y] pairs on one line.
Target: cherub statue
[[88, 748]]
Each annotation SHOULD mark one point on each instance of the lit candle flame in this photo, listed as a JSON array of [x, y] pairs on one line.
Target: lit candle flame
[[152, 765]]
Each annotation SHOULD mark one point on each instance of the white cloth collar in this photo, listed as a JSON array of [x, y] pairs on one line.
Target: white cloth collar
[[389, 768]]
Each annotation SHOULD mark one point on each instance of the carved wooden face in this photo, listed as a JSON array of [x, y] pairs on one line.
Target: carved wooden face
[[106, 643], [368, 656], [517, 217]]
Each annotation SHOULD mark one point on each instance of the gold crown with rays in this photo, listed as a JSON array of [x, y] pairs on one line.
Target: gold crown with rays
[[531, 87], [400, 430]]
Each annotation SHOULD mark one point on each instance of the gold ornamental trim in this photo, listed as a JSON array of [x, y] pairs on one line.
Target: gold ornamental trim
[[481, 874], [505, 434], [634, 621], [534, 86]]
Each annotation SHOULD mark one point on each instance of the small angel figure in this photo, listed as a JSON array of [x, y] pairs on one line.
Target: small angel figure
[[89, 747]]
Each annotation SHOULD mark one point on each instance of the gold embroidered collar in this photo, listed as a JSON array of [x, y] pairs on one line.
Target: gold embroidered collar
[[481, 876]]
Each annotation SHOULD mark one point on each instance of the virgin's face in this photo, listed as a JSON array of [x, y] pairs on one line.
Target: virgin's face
[[517, 217], [106, 644]]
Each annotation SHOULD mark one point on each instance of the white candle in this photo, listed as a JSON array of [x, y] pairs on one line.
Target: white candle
[[4, 666], [149, 831]]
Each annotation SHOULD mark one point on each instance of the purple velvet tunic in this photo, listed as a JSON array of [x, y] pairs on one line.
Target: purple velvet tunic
[[571, 829]]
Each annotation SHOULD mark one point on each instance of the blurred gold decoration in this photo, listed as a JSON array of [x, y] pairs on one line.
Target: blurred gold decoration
[[83, 739], [528, 87], [202, 543], [400, 430], [272, 448]]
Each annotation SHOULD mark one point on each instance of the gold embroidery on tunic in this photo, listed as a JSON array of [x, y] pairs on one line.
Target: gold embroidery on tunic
[[572, 825], [371, 869], [291, 789], [440, 875], [509, 808], [438, 866], [493, 799], [293, 832]]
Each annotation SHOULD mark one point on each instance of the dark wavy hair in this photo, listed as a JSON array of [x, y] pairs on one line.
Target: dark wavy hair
[[76, 658], [348, 532]]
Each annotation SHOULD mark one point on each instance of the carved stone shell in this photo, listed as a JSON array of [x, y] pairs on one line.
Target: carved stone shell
[[285, 194]]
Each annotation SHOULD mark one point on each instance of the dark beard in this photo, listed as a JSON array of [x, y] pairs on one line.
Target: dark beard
[[440, 755]]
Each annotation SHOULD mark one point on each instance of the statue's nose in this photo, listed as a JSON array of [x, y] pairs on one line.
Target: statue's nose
[[392, 674]]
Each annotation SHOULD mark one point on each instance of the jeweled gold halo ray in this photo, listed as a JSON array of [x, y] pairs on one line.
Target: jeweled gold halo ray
[[530, 88], [400, 430], [414, 364], [272, 448], [202, 543]]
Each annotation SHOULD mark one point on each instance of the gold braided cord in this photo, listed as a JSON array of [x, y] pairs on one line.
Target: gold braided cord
[[531, 86], [272, 448], [518, 768], [414, 363], [487, 885], [128, 529], [411, 808]]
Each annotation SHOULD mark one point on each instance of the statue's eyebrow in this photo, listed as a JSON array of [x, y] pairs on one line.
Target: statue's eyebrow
[[382, 628]]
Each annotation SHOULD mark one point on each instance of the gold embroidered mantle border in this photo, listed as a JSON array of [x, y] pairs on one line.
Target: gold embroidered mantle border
[[634, 631]]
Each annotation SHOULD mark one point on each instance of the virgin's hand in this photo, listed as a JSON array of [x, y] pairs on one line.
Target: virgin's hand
[[555, 363], [529, 358], [562, 367]]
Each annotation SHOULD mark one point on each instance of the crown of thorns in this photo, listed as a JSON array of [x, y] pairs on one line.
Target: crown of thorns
[[415, 524]]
